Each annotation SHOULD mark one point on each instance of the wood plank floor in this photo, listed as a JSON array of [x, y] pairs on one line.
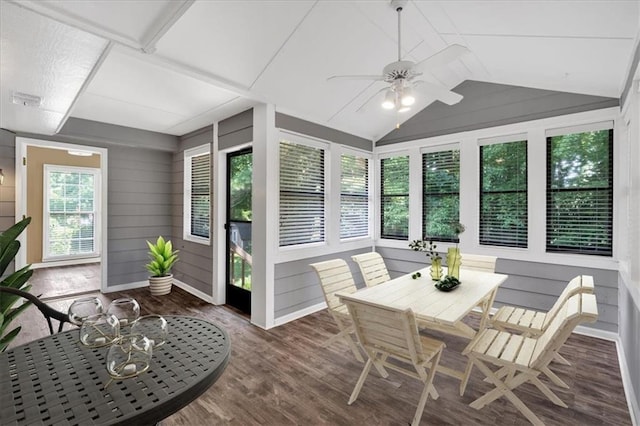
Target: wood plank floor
[[283, 377], [65, 280]]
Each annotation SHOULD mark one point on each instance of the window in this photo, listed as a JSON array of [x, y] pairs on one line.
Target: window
[[394, 197], [503, 194], [302, 194], [354, 196], [197, 194], [71, 209], [441, 194], [580, 192]]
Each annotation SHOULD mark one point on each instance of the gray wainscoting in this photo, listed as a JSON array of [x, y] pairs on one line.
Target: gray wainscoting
[[235, 130], [195, 267], [298, 125], [138, 199], [630, 338], [530, 284], [297, 286]]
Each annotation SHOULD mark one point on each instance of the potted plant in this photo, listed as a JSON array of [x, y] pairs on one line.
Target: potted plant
[[9, 246], [163, 257], [430, 248]]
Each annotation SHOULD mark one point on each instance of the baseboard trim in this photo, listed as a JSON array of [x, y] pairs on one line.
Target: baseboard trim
[[194, 291], [299, 314], [123, 287]]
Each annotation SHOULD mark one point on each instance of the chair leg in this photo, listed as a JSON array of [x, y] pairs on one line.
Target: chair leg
[[354, 348], [504, 389], [465, 379], [428, 385], [554, 378], [360, 382], [548, 393], [561, 359]]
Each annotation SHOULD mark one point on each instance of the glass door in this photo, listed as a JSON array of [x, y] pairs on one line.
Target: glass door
[[238, 226]]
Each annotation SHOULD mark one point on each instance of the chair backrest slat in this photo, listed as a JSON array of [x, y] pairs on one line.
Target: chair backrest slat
[[578, 308], [579, 284], [477, 262], [335, 277], [373, 269], [385, 329]]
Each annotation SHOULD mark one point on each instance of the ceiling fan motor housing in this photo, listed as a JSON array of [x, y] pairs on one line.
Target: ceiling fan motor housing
[[399, 70]]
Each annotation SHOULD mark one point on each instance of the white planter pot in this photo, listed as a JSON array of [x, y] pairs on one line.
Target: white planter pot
[[160, 285]]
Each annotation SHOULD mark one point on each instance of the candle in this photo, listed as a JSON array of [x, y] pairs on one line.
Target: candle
[[124, 322], [129, 369]]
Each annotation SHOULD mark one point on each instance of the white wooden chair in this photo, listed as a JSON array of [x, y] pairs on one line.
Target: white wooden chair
[[533, 323], [373, 269], [385, 332], [477, 262], [522, 359], [335, 276]]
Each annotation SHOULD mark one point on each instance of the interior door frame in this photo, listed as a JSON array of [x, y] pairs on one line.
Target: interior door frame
[[242, 150], [22, 143]]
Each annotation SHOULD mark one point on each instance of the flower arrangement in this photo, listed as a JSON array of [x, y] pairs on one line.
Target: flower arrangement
[[427, 246]]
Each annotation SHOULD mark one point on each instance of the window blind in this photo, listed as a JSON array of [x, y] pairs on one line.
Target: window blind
[[441, 194], [354, 196], [394, 197], [580, 193], [302, 194], [200, 195], [503, 194]]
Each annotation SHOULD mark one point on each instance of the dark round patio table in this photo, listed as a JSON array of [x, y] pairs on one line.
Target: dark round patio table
[[58, 381]]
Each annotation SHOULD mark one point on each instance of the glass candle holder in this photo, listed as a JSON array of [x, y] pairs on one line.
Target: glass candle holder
[[126, 309], [129, 356], [153, 327], [80, 309], [99, 330]]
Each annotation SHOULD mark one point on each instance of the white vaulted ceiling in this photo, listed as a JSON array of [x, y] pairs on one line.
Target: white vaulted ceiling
[[176, 66]]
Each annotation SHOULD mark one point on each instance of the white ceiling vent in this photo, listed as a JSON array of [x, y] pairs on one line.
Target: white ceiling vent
[[27, 100]]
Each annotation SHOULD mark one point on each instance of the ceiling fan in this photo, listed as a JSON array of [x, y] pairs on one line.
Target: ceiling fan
[[401, 75]]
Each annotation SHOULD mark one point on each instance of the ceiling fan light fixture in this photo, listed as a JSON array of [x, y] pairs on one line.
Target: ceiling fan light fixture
[[389, 100], [407, 98]]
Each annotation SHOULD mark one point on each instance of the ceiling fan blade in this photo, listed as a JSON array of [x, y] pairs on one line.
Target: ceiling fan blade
[[363, 107], [438, 92], [443, 57], [356, 77]]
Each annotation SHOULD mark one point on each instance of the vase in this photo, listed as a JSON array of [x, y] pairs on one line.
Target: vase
[[160, 285], [454, 260], [436, 269]]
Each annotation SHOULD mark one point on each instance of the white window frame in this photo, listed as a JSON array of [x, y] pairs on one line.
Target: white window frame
[[97, 197], [186, 224], [370, 208]]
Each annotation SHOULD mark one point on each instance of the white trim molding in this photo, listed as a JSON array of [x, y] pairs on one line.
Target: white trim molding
[[298, 314]]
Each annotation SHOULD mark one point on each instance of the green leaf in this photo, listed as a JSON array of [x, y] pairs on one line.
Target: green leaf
[[5, 340]]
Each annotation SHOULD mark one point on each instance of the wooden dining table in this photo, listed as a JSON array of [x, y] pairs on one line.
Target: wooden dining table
[[435, 309]]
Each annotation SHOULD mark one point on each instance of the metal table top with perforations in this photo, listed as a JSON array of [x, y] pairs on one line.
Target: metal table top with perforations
[[58, 381]]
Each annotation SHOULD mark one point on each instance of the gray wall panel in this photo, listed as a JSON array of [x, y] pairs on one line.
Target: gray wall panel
[[235, 130], [7, 189], [488, 105], [297, 286], [298, 125], [196, 260], [630, 337], [530, 284]]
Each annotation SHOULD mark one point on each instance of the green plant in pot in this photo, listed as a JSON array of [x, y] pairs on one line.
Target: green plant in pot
[[163, 257], [429, 247], [9, 246]]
